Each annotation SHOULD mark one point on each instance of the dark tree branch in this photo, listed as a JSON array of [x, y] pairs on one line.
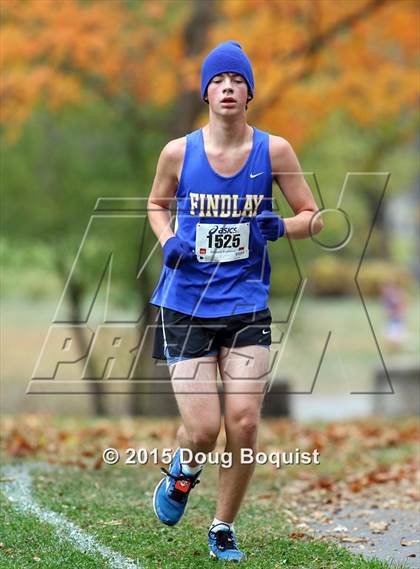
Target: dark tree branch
[[316, 43]]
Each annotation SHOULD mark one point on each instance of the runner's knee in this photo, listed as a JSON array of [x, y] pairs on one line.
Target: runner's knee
[[205, 437], [244, 423]]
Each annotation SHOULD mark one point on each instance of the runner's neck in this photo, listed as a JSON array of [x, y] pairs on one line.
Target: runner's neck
[[227, 136]]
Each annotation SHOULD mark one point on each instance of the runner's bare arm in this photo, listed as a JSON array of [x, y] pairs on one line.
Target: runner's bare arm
[[164, 189], [288, 176]]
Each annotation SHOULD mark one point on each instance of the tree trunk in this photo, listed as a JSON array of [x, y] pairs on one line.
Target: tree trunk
[[189, 105], [138, 400], [75, 297], [186, 110]]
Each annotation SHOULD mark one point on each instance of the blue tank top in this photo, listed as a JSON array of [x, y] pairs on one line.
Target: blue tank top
[[214, 289]]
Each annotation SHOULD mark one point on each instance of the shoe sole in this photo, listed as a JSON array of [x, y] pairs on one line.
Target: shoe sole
[[154, 502], [214, 557]]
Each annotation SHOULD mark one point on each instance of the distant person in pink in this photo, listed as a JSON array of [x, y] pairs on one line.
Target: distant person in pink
[[394, 299]]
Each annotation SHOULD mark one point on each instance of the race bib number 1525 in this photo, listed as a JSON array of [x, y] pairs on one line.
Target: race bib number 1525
[[221, 242]]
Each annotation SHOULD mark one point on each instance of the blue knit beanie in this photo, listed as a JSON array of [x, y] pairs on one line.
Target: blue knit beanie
[[226, 57]]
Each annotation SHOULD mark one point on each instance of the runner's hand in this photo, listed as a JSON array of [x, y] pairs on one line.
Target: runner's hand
[[270, 225], [175, 250]]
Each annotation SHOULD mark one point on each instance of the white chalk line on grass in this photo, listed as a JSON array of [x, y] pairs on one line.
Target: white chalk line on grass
[[17, 488]]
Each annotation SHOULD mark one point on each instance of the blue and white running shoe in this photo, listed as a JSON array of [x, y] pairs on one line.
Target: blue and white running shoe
[[222, 543], [171, 494]]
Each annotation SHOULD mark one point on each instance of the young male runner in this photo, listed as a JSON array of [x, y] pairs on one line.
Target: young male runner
[[213, 291]]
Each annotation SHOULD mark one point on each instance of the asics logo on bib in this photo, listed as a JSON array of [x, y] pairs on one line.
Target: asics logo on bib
[[223, 229]]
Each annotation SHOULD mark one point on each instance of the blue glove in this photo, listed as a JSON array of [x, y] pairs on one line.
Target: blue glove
[[270, 225], [175, 250]]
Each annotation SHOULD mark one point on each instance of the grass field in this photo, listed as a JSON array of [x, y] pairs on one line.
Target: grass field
[[114, 507], [89, 515]]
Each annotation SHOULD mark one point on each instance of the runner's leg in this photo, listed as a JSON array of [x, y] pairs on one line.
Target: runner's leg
[[195, 388], [244, 373]]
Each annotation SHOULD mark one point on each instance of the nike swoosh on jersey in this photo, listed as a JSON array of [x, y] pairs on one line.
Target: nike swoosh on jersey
[[266, 331], [255, 175]]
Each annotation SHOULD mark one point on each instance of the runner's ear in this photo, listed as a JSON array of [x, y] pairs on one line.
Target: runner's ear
[[249, 98]]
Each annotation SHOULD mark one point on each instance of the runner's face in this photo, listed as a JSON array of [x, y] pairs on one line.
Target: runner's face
[[227, 93]]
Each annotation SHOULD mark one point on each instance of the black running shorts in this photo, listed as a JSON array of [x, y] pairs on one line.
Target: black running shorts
[[180, 336]]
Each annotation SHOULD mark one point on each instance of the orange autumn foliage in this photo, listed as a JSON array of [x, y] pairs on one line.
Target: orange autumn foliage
[[309, 58]]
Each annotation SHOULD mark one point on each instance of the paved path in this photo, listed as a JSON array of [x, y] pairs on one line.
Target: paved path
[[383, 521], [381, 533]]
